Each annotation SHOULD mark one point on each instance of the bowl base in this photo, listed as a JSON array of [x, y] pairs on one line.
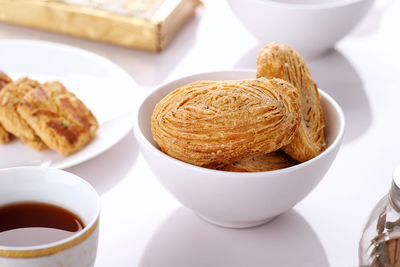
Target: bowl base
[[237, 225]]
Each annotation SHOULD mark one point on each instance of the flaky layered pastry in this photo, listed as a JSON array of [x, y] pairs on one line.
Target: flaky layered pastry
[[4, 79], [266, 162], [61, 120], [10, 97], [214, 123], [5, 136], [281, 61]]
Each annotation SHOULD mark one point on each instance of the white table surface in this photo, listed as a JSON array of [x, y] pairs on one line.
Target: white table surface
[[143, 225]]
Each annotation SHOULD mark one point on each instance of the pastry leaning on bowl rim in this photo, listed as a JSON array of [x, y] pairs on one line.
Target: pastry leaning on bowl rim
[[276, 60], [282, 61], [214, 123]]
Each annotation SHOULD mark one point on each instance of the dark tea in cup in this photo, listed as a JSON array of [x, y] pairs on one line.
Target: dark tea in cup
[[48, 217], [36, 223]]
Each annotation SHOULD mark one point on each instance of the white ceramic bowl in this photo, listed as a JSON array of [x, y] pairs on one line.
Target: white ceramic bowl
[[309, 26], [233, 199]]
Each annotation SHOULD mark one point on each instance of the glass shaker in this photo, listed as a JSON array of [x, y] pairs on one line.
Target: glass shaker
[[380, 242]]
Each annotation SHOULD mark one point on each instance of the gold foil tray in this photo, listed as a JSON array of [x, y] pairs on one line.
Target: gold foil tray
[[143, 24]]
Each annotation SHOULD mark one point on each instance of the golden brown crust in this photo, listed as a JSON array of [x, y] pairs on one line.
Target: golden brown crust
[[281, 61], [10, 96], [4, 79], [209, 123], [5, 136], [61, 120], [266, 162]]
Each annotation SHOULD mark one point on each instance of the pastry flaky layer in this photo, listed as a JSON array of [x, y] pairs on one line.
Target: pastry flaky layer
[[281, 61], [10, 97], [45, 115], [5, 136], [214, 123], [61, 120], [266, 162]]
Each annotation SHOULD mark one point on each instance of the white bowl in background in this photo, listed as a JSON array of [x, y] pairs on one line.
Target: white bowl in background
[[234, 199], [309, 26]]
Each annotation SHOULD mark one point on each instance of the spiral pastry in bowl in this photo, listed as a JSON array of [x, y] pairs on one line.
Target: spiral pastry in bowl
[[214, 123]]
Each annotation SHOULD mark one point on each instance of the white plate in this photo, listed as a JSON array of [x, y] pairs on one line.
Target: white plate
[[106, 89]]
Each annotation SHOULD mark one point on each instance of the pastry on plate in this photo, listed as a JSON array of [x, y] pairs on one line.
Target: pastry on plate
[[266, 162], [214, 123], [281, 61], [5, 136], [10, 97], [61, 120]]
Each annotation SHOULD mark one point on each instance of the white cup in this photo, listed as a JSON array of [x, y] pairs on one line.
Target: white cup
[[60, 188]]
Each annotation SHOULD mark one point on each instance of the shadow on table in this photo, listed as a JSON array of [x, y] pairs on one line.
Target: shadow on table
[[109, 168], [334, 74], [184, 239], [373, 20]]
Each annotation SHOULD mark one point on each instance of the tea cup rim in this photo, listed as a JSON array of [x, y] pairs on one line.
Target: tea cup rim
[[59, 245]]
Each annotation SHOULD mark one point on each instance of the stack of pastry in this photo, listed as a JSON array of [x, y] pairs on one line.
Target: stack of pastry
[[44, 115], [5, 136], [270, 122]]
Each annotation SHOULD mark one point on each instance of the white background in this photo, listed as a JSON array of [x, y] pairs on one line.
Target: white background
[[142, 225]]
